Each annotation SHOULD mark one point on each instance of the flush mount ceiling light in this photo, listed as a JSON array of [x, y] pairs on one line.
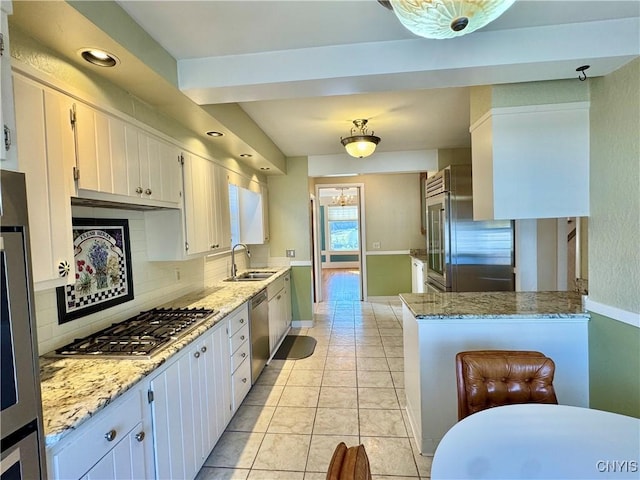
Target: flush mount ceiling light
[[99, 57], [360, 144], [245, 155], [447, 18], [213, 133]]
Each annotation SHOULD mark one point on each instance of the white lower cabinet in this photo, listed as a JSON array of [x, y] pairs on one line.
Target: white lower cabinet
[[190, 405], [115, 444], [279, 295], [240, 351]]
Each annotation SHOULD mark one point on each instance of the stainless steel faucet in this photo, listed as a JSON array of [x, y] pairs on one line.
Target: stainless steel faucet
[[234, 268]]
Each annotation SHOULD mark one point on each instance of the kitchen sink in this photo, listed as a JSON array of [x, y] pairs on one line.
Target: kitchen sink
[[251, 276]]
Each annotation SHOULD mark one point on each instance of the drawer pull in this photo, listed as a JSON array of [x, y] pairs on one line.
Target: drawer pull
[[244, 380], [203, 349], [139, 190], [197, 354], [243, 354], [110, 435], [242, 320], [148, 191], [140, 436], [279, 297], [242, 337]]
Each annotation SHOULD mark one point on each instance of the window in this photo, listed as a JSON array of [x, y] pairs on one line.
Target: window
[[234, 212], [344, 233]]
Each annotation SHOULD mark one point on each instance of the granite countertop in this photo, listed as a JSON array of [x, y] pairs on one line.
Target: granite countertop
[[75, 389], [474, 305]]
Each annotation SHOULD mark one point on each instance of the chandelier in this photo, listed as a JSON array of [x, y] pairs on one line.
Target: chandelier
[[360, 144], [342, 199], [447, 18]]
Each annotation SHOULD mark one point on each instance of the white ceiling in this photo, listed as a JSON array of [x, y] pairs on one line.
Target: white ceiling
[[304, 69]]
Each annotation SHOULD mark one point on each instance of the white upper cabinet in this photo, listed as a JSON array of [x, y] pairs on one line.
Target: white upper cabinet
[[8, 150], [203, 224], [531, 162], [116, 157], [46, 156]]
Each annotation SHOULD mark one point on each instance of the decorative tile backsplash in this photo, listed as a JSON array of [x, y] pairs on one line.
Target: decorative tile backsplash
[[155, 283]]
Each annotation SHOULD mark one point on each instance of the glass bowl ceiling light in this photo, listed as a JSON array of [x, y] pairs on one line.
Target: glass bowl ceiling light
[[360, 144], [447, 18]]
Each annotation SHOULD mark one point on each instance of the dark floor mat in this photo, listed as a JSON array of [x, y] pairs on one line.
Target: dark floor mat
[[295, 347]]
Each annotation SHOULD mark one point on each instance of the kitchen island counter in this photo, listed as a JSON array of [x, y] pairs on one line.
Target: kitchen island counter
[[474, 305], [436, 326], [75, 389]]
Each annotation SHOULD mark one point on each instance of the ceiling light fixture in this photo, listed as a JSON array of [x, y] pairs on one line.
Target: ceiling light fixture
[[245, 155], [342, 199], [214, 133], [99, 57], [360, 144], [447, 18]]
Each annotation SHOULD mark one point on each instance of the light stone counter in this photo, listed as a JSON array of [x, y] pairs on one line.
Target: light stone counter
[[75, 389], [474, 305]]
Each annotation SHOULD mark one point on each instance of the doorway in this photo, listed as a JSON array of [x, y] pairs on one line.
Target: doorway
[[338, 235]]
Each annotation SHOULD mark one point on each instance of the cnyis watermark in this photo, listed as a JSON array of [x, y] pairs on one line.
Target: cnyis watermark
[[613, 466]]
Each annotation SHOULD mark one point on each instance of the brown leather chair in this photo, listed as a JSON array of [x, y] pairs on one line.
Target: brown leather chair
[[491, 378], [349, 463]]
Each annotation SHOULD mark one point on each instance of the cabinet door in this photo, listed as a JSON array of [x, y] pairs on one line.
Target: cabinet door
[[222, 205], [88, 155], [265, 212], [222, 375], [125, 461], [8, 154], [169, 165], [173, 421], [287, 302], [196, 208], [45, 144]]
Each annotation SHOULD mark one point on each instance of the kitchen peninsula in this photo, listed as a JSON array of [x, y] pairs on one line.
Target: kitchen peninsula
[[436, 326]]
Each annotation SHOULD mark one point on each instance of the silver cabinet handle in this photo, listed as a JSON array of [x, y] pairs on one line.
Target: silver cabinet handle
[[140, 436], [203, 349], [110, 435], [147, 191], [197, 354], [242, 337], [244, 380], [243, 354], [242, 320], [139, 190]]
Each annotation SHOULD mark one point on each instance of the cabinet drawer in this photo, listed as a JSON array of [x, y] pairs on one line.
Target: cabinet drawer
[[239, 338], [241, 383], [274, 287], [238, 318], [88, 447], [243, 353]]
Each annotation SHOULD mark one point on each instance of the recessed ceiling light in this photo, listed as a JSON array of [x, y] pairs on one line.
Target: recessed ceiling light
[[265, 168], [213, 133], [246, 155], [99, 57]]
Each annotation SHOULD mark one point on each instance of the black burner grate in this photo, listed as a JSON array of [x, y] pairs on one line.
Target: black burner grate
[[140, 336]]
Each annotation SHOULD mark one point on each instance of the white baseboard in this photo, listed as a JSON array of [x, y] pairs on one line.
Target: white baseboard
[[302, 324]]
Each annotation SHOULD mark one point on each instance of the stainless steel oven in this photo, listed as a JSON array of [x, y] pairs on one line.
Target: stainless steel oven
[[22, 447]]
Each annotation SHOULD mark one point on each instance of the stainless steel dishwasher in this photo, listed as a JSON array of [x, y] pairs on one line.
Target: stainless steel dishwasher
[[259, 331]]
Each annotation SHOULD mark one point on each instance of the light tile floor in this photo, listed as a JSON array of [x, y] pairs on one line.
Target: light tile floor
[[351, 389]]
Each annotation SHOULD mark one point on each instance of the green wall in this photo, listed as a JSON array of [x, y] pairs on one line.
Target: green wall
[[614, 353], [301, 284], [388, 275], [614, 229]]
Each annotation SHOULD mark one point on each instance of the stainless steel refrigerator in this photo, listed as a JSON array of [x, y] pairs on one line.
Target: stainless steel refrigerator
[[23, 453], [464, 255]]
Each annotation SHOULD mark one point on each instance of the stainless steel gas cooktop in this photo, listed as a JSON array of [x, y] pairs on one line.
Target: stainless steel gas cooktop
[[140, 336]]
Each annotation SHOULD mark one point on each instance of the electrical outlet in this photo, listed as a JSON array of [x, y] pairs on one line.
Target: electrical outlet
[[376, 245], [291, 253]]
